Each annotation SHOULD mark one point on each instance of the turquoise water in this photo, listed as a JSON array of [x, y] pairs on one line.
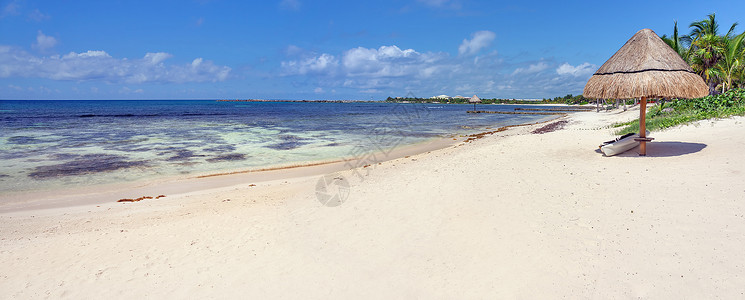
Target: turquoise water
[[52, 144]]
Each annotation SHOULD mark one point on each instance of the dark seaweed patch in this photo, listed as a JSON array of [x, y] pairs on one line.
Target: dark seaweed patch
[[23, 140], [18, 154], [286, 145], [117, 115], [165, 150], [125, 149], [289, 142], [551, 127], [182, 155], [227, 157], [221, 148], [204, 114], [64, 156], [35, 160], [85, 164]]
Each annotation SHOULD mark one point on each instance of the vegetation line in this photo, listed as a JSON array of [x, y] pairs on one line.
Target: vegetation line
[[685, 111]]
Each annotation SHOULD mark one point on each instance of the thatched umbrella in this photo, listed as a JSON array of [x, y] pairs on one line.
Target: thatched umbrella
[[645, 67], [475, 99]]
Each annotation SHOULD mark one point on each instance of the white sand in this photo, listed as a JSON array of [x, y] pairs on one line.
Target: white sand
[[513, 215]]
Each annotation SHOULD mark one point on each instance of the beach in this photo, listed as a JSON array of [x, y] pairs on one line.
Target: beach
[[511, 215]]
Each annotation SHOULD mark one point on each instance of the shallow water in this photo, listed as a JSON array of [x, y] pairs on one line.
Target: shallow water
[[52, 144]]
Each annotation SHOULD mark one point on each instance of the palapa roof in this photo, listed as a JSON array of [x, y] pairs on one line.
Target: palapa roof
[[645, 67], [474, 99]]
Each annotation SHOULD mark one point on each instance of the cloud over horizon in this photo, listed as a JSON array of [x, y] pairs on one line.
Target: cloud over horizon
[[579, 70], [387, 70], [390, 69], [97, 65]]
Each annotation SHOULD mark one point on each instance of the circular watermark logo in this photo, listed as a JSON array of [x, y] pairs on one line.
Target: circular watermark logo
[[332, 190]]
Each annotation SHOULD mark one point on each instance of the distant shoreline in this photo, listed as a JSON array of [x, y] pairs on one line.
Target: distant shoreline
[[506, 102], [306, 101]]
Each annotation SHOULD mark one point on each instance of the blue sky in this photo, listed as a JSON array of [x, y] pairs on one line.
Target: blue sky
[[302, 49]]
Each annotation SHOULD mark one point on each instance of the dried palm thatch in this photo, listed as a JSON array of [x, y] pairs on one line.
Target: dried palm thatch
[[645, 67]]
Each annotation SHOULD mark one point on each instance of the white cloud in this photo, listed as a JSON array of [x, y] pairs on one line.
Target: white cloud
[[99, 65], [533, 68], [156, 58], [44, 42], [127, 90], [392, 71], [324, 63], [290, 4], [385, 61], [196, 62], [15, 8], [318, 90], [89, 53], [479, 40], [293, 50], [37, 15], [580, 70], [11, 9]]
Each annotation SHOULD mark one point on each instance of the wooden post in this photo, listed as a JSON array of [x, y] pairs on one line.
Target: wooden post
[[643, 126], [597, 105]]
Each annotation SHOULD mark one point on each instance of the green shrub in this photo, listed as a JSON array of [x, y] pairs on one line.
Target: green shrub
[[685, 111]]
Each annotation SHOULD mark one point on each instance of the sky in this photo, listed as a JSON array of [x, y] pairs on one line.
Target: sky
[[337, 50]]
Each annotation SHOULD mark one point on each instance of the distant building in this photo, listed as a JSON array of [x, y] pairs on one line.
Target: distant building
[[441, 97]]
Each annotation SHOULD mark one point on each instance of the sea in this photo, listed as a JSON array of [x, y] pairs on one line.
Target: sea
[[46, 145]]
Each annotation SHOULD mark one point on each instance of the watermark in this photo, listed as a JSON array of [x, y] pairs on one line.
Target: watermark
[[388, 133], [332, 190]]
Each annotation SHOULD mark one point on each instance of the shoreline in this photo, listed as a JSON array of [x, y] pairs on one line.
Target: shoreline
[[170, 185], [16, 202]]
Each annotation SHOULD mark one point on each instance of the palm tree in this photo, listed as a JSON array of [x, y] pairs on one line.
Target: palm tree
[[738, 75], [732, 60], [704, 27], [678, 43], [707, 49]]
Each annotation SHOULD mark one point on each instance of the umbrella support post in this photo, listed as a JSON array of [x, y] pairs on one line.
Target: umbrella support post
[[643, 127]]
